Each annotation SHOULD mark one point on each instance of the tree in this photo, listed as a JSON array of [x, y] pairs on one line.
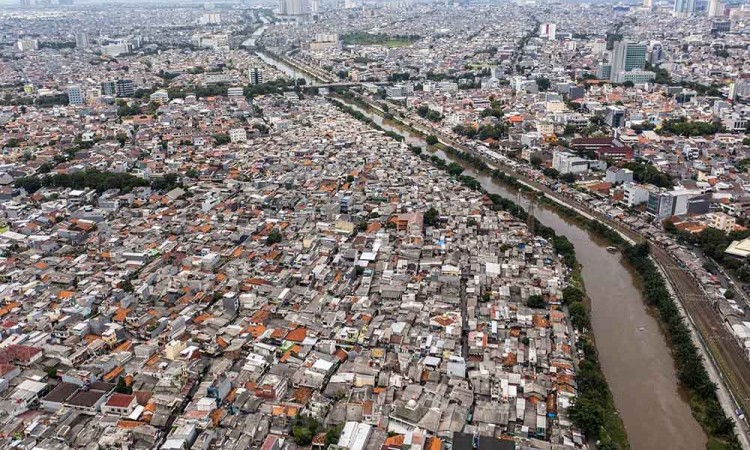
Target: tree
[[221, 138], [536, 161], [455, 169], [729, 294], [588, 415], [628, 84], [670, 227], [127, 286], [302, 435], [274, 237], [431, 217], [122, 387], [431, 139], [572, 295], [51, 371], [334, 434], [536, 301], [550, 172], [543, 84], [578, 316], [568, 177]]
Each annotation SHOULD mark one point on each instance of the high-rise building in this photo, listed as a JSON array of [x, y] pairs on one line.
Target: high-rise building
[[124, 88], [627, 56], [108, 88], [548, 30], [656, 55], [648, 4], [255, 75], [75, 95], [294, 10], [684, 8], [715, 8], [82, 40]]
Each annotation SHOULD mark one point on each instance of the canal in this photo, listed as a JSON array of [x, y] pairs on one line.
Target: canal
[[285, 68], [632, 348]]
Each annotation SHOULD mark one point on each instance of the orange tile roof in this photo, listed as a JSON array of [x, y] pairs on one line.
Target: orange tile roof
[[113, 374], [297, 335]]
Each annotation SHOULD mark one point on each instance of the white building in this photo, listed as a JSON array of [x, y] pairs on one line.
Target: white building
[[26, 45], [238, 135], [565, 162], [721, 221], [160, 96], [634, 194], [354, 436]]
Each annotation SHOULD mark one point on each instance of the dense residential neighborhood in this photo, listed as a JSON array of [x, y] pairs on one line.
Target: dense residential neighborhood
[[277, 225]]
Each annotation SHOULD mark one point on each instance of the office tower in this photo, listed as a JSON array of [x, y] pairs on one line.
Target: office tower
[[715, 8], [656, 56], [108, 88], [256, 76], [25, 3], [684, 8], [124, 88], [75, 95], [548, 30], [627, 56], [648, 4], [82, 40], [294, 9]]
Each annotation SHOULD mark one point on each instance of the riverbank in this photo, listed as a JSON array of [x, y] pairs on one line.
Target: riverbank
[[691, 372], [595, 411]]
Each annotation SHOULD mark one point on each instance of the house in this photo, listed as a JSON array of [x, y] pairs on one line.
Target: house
[[120, 404]]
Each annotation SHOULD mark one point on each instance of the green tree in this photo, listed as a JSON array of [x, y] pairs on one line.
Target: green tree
[[572, 295], [578, 316], [122, 387], [274, 237], [431, 217], [536, 301], [431, 139], [221, 138]]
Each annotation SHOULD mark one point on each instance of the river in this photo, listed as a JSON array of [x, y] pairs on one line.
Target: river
[[632, 349], [285, 68]]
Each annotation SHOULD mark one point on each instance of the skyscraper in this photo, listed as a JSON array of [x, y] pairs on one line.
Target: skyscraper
[[82, 40], [75, 95], [256, 77], [627, 56], [684, 8], [294, 10], [648, 4], [124, 88], [715, 8]]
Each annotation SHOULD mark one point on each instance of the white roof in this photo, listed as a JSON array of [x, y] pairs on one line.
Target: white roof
[[32, 386], [323, 365]]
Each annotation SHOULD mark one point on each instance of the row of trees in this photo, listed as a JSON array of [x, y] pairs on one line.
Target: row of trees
[[483, 132], [97, 180], [683, 127], [430, 114], [690, 369], [647, 173]]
